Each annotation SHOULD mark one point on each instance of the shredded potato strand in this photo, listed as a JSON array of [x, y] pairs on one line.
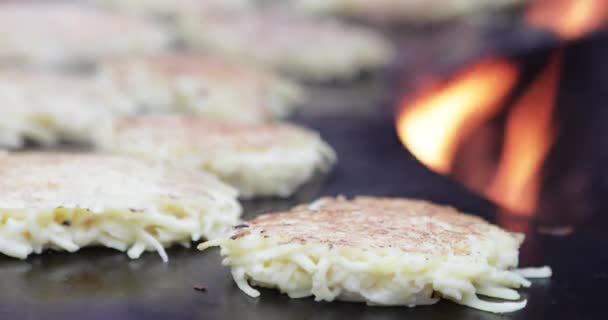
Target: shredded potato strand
[[23, 232], [385, 277]]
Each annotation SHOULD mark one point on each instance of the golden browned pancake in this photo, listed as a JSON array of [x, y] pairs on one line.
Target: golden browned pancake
[[203, 85], [263, 159], [382, 251], [375, 223], [68, 201]]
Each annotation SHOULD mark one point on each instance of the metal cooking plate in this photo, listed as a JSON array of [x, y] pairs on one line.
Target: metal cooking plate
[[104, 284]]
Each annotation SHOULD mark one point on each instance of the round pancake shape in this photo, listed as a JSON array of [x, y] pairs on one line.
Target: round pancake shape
[[259, 159], [67, 201], [64, 34], [305, 47], [382, 251], [50, 107], [204, 85]]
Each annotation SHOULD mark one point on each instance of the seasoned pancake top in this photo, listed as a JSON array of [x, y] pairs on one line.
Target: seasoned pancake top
[[186, 132], [97, 182], [373, 223]]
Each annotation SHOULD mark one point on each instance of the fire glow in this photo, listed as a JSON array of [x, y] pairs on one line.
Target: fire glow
[[434, 125], [528, 136], [452, 127], [569, 19]]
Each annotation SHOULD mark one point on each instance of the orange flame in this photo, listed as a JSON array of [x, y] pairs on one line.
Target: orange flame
[[570, 19], [528, 138], [433, 125]]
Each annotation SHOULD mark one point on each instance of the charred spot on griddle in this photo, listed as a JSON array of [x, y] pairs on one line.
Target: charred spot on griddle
[[200, 287]]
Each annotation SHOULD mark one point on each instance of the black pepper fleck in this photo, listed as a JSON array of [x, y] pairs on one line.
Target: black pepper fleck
[[66, 223], [241, 226]]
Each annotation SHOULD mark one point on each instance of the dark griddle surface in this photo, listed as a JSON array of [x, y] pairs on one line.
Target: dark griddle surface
[[102, 284]]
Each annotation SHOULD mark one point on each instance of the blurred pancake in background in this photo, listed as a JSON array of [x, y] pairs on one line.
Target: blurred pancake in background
[[399, 10], [174, 8], [257, 159], [48, 108], [59, 34], [305, 47], [203, 85]]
